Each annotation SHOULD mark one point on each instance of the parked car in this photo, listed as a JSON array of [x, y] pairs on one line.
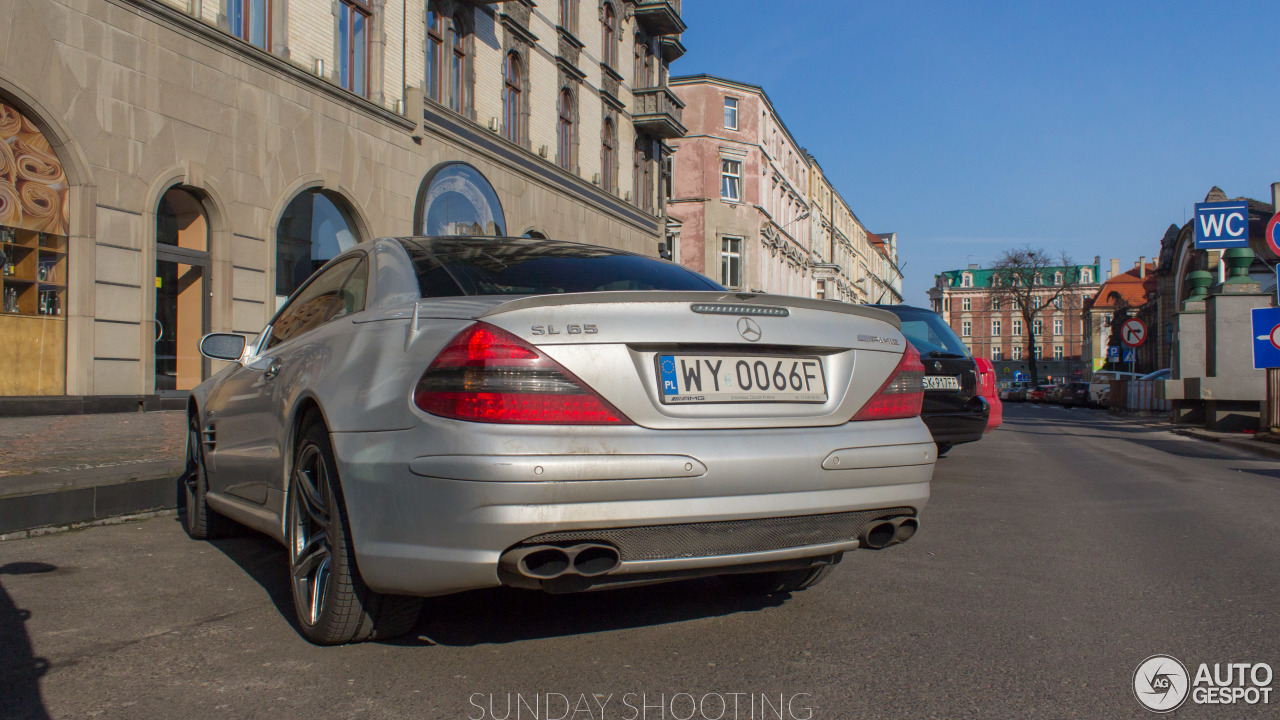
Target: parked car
[[987, 389], [1075, 393], [1016, 391], [1164, 374], [1037, 393], [431, 415], [1053, 394], [1100, 384], [953, 409]]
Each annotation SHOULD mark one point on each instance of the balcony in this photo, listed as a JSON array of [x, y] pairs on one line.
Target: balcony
[[672, 48], [660, 17], [657, 113]]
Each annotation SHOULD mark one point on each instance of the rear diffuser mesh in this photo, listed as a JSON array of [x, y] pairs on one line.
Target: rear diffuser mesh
[[727, 537]]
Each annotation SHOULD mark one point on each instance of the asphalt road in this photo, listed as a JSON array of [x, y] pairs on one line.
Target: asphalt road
[[1055, 556]]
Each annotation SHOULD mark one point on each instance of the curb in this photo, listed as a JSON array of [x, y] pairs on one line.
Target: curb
[[1252, 446], [86, 496]]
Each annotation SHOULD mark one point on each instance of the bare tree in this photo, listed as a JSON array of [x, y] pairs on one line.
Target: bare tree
[[1027, 280]]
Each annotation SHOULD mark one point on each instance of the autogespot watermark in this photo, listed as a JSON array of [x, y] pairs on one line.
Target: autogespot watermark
[[640, 706], [1162, 684]]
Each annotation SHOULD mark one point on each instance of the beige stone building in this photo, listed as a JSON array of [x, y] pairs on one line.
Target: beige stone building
[[175, 167]]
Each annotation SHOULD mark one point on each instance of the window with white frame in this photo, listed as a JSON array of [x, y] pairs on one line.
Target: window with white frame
[[730, 113], [965, 304], [997, 353], [1086, 275], [1057, 326], [1057, 352], [966, 281], [1037, 327], [731, 262], [1017, 326], [1017, 352], [965, 328], [730, 180], [995, 327], [1036, 302]]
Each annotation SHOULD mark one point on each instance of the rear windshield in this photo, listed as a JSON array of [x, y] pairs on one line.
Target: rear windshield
[[1101, 377], [928, 333], [532, 266]]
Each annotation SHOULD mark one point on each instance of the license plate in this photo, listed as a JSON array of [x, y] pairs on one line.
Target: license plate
[[691, 379], [941, 382]]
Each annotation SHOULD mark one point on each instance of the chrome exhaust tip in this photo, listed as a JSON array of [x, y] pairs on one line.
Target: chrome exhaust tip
[[540, 562], [904, 528], [879, 534], [593, 560]]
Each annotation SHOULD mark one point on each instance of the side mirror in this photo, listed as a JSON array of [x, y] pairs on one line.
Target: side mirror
[[223, 346]]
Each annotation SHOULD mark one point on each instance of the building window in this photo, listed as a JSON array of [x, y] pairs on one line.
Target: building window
[[1017, 352], [458, 90], [455, 199], [731, 262], [995, 327], [353, 46], [640, 177], [1086, 275], [315, 227], [607, 159], [1057, 278], [996, 353], [511, 99], [1037, 327], [1017, 327], [1057, 352], [644, 63], [965, 327], [250, 20], [1036, 302], [966, 304], [995, 303], [564, 151], [1057, 326], [946, 304], [730, 180], [966, 281], [568, 14], [730, 113], [435, 51], [609, 45]]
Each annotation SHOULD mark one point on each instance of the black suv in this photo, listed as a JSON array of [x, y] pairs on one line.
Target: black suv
[[953, 408]]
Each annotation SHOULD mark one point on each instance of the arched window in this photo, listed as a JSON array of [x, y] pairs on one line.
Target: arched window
[[1057, 278], [609, 45], [564, 149], [458, 90], [1086, 275], [435, 50], [511, 99], [607, 160], [455, 199], [315, 227], [182, 290]]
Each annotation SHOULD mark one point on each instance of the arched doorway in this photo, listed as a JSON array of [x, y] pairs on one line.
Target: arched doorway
[[455, 199], [182, 290], [316, 226]]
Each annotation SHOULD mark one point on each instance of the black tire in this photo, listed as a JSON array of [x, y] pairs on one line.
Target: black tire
[[198, 519], [778, 581], [332, 603], [944, 448]]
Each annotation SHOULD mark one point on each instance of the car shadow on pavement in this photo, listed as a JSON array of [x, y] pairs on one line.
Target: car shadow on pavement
[[504, 615], [20, 669]]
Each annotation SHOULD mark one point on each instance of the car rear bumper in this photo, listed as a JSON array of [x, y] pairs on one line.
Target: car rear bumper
[[958, 427], [430, 523]]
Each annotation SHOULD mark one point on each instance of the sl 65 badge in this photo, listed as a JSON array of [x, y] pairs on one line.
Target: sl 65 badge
[[568, 329]]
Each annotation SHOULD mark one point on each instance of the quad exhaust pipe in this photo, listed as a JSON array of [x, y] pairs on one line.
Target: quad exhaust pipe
[[547, 562], [883, 533]]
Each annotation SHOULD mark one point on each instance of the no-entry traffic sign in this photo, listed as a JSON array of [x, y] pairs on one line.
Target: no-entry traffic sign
[[1133, 332], [1273, 234]]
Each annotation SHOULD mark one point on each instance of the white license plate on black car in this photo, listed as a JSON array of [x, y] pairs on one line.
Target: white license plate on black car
[[941, 382], [691, 379]]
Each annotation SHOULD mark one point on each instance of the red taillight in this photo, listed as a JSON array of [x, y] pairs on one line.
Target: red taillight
[[902, 394], [986, 377], [486, 374]]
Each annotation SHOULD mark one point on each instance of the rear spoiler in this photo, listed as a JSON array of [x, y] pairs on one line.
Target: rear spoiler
[[727, 303]]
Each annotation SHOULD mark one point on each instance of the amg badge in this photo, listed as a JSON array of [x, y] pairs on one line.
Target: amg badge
[[878, 339]]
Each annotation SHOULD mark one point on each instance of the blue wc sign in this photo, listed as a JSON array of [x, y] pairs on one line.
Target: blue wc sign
[[1222, 225]]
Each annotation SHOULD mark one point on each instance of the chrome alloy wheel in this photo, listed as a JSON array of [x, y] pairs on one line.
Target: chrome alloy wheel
[[311, 551]]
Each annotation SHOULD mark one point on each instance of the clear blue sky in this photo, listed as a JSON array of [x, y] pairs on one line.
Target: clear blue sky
[[971, 127]]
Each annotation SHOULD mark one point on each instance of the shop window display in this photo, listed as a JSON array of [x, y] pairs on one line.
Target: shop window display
[[33, 259]]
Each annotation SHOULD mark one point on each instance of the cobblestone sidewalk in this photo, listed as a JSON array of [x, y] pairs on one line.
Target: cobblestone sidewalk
[[60, 443]]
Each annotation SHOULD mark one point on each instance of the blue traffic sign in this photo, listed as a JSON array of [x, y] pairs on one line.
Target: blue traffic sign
[[1113, 353], [1222, 225], [1266, 338], [1130, 354]]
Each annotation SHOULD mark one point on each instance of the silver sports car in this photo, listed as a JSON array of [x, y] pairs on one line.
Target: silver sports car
[[432, 415]]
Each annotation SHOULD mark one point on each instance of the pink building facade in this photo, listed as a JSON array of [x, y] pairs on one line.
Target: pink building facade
[[738, 207]]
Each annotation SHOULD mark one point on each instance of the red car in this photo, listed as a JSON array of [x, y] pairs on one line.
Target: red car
[[1037, 393]]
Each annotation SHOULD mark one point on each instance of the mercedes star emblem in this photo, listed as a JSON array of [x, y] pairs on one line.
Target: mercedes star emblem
[[937, 366], [748, 329]]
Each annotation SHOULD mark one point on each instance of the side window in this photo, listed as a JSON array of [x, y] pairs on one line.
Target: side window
[[316, 304], [354, 290]]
